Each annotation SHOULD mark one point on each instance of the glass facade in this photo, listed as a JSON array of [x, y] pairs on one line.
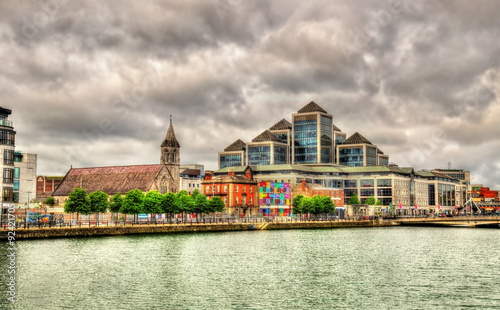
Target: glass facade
[[280, 153], [230, 160], [8, 157], [351, 156], [371, 156], [338, 140], [259, 155], [446, 195], [326, 135], [306, 139], [7, 137], [432, 195], [383, 161]]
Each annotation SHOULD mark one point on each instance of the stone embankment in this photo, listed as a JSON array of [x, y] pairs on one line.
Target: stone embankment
[[85, 232]]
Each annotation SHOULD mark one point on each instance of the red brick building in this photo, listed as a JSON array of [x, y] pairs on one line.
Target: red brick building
[[309, 190], [239, 193], [46, 185]]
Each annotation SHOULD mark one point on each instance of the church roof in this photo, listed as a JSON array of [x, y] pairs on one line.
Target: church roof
[[237, 145], [266, 136], [110, 180], [312, 107], [281, 125], [357, 138], [170, 140]]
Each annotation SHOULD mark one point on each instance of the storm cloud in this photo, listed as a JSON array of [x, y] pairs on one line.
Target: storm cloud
[[93, 83]]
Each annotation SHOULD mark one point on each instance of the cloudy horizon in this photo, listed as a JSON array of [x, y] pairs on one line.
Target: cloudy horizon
[[94, 83]]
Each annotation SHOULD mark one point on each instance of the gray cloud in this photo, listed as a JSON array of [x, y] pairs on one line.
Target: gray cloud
[[93, 83]]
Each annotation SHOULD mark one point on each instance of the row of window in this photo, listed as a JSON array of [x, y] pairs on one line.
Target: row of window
[[368, 183], [7, 137], [236, 188]]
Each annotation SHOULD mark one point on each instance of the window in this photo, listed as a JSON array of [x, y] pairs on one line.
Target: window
[[225, 188], [225, 200], [8, 175], [189, 185], [251, 189], [198, 185], [8, 157], [213, 188], [218, 188], [8, 194], [366, 183], [207, 189], [16, 185], [237, 200], [384, 183], [251, 200], [236, 187], [17, 173], [15, 197], [7, 137]]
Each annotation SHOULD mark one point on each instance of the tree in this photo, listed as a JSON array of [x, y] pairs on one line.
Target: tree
[[116, 203], [216, 204], [50, 201], [370, 201], [184, 202], [306, 205], [133, 202], [328, 206], [169, 204], [354, 200], [296, 204], [317, 206], [99, 203], [78, 201], [200, 202], [152, 202]]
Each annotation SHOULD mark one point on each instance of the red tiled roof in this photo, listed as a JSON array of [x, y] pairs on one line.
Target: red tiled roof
[[110, 180]]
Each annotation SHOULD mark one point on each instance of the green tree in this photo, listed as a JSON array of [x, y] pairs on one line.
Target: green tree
[[169, 204], [354, 200], [296, 204], [216, 204], [306, 205], [370, 201], [379, 203], [184, 203], [317, 206], [78, 201], [200, 202], [152, 202], [133, 203], [328, 206], [116, 203], [50, 201], [99, 203]]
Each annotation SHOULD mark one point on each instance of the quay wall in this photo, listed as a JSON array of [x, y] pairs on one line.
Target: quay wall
[[85, 232]]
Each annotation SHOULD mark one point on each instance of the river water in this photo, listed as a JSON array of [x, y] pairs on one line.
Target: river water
[[357, 268]]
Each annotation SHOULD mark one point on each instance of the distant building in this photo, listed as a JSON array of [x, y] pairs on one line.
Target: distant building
[[459, 174], [191, 177], [163, 177], [309, 190], [239, 192], [46, 185], [310, 138], [24, 177], [7, 147]]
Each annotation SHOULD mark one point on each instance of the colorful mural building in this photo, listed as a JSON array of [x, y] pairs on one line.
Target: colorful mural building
[[274, 198]]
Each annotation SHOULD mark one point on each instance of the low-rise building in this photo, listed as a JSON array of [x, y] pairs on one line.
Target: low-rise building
[[46, 185], [25, 166]]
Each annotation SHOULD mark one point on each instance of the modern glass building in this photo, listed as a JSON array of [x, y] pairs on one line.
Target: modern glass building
[[312, 138], [357, 151], [267, 149], [234, 155]]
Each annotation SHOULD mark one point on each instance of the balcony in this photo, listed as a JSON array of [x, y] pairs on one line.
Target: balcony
[[6, 123]]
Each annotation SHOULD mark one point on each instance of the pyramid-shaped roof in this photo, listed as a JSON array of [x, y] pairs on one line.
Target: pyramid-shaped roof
[[266, 136], [170, 140], [357, 138], [237, 145], [281, 125], [335, 128], [312, 107]]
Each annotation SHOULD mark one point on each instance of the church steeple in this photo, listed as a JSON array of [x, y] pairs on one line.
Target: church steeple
[[170, 140]]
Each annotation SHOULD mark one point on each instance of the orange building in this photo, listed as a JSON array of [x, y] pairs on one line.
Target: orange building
[[239, 193], [309, 190]]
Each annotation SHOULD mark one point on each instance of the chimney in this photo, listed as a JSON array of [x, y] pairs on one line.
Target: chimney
[[208, 175], [303, 185], [248, 174], [231, 172]]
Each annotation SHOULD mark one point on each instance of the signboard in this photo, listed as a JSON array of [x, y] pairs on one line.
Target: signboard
[[143, 216]]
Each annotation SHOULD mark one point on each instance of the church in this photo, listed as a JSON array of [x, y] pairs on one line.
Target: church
[[163, 177]]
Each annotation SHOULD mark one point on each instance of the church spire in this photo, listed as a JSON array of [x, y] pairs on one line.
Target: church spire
[[170, 139]]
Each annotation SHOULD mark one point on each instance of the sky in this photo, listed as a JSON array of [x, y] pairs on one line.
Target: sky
[[93, 83]]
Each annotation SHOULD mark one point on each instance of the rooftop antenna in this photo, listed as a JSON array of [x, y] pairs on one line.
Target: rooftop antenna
[[170, 117], [449, 165]]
